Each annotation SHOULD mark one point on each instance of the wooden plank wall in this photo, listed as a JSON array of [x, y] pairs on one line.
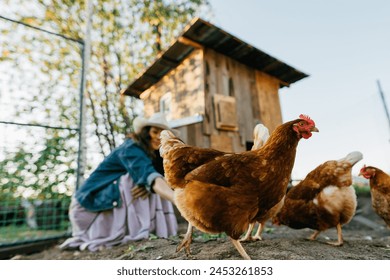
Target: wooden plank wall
[[269, 103], [186, 86], [204, 74], [256, 96], [193, 135]]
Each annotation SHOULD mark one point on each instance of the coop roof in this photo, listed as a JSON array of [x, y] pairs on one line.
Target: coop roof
[[208, 35]]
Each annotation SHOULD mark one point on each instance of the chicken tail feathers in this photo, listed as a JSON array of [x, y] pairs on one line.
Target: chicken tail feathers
[[352, 157], [168, 142], [260, 135]]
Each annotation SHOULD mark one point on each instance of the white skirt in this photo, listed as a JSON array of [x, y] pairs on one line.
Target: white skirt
[[132, 221]]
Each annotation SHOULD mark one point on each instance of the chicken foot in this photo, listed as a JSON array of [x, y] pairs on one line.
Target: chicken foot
[[240, 249], [314, 235], [257, 235], [248, 233], [339, 241], [186, 241]]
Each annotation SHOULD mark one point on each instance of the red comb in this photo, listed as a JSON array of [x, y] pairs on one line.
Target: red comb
[[306, 118]]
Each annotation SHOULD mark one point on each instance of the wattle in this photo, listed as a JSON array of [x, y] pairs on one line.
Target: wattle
[[306, 135]]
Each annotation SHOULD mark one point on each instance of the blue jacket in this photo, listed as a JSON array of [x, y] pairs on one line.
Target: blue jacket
[[101, 190]]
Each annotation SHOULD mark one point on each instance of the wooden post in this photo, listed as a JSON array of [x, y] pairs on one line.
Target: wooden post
[[85, 55], [384, 102]]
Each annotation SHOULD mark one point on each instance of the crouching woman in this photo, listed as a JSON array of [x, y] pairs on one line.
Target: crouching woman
[[126, 197]]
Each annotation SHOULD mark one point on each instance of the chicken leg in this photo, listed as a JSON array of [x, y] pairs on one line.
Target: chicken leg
[[257, 235], [248, 233], [186, 241], [240, 249], [314, 235], [339, 241]]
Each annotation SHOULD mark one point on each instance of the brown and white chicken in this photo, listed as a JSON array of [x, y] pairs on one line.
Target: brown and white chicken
[[260, 136], [225, 192], [323, 200], [380, 191]]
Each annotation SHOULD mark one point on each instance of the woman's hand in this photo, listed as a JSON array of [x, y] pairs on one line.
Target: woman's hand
[[161, 188], [139, 192]]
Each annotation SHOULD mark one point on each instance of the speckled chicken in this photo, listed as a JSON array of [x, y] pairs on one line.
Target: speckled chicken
[[323, 200], [221, 192], [380, 191]]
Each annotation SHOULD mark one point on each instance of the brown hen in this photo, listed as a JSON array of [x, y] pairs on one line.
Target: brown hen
[[219, 192], [380, 191], [260, 136], [324, 199]]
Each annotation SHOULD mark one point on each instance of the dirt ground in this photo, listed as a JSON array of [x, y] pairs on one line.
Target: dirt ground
[[366, 237]]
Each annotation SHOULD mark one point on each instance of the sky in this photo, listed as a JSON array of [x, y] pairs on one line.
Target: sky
[[344, 47]]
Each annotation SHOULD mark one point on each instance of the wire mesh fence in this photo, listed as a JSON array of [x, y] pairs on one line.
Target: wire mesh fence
[[23, 221], [39, 116]]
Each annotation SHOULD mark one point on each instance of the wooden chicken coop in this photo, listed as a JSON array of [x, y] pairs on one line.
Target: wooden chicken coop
[[214, 88]]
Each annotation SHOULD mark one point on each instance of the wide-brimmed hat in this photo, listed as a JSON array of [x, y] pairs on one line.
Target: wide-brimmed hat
[[156, 120]]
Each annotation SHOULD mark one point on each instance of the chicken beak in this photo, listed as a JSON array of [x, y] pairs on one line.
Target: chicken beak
[[314, 129]]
